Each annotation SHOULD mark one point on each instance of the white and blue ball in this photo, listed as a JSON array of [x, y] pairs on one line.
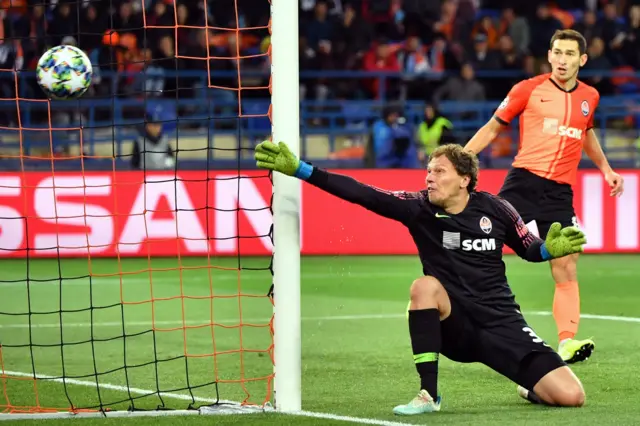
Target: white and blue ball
[[64, 72]]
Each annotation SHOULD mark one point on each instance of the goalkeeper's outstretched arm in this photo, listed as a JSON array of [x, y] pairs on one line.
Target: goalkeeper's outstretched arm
[[400, 206]]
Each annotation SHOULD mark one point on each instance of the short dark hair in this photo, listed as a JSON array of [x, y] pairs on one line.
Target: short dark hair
[[465, 162], [570, 35]]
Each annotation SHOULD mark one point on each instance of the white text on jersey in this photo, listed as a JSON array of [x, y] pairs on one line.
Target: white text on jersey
[[570, 132], [481, 244]]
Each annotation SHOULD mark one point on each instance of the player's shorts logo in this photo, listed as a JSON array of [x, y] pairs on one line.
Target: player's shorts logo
[[584, 106], [504, 103], [485, 225]]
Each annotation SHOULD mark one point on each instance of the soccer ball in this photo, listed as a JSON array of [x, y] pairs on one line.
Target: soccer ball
[[64, 72]]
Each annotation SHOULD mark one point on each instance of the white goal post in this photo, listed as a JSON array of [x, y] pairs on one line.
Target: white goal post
[[286, 207]]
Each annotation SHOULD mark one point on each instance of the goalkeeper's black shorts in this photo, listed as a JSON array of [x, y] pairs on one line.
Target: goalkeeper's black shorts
[[539, 201], [509, 347]]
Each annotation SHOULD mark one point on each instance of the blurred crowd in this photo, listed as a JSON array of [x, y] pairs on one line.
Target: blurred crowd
[[422, 39], [151, 39]]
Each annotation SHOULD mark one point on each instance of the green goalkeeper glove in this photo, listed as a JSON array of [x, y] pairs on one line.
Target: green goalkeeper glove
[[563, 241], [277, 158]]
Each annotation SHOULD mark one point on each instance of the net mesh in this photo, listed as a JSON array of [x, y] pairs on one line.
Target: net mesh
[[136, 289]]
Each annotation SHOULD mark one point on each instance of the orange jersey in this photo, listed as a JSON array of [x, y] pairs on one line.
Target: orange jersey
[[553, 125]]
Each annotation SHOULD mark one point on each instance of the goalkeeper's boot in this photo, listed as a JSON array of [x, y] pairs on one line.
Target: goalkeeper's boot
[[423, 403], [571, 350]]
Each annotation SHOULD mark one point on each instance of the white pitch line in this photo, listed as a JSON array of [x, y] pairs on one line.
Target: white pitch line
[[136, 391], [227, 321], [215, 276], [590, 316], [198, 322], [184, 397], [252, 275]]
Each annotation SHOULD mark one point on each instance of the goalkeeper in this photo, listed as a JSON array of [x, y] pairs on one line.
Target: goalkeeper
[[462, 307]]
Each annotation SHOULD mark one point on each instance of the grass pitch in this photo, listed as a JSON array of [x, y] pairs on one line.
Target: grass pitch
[[356, 351]]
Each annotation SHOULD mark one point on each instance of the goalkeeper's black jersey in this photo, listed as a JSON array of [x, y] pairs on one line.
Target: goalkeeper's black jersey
[[463, 251]]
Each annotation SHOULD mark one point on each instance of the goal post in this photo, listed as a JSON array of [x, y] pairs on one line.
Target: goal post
[[286, 208]]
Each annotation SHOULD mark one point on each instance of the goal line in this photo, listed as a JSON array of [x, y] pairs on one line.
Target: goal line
[[219, 407]]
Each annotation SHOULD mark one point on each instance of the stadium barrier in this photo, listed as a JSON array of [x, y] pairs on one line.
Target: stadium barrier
[[215, 121], [344, 124], [134, 214]]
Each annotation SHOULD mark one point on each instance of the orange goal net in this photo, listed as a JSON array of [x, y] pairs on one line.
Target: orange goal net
[[136, 238]]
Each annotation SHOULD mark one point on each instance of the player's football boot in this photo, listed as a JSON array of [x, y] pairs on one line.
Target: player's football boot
[[572, 351], [423, 403]]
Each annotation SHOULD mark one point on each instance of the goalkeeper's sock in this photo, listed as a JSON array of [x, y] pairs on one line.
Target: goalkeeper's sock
[[566, 309], [424, 328], [530, 396]]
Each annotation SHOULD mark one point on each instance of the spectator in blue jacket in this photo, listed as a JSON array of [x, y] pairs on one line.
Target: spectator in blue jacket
[[393, 143]]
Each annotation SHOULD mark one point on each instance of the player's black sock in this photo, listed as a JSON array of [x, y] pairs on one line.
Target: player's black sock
[[424, 328], [534, 399]]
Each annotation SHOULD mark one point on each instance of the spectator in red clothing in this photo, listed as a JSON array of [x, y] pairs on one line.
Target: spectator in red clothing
[[380, 58], [487, 28], [444, 25]]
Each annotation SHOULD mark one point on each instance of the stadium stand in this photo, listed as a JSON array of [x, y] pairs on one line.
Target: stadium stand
[[355, 57]]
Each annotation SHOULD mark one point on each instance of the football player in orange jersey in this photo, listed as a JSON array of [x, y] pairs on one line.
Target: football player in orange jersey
[[556, 123]]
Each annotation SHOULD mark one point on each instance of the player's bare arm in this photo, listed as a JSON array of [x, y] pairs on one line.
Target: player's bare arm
[[594, 150], [484, 136], [512, 106]]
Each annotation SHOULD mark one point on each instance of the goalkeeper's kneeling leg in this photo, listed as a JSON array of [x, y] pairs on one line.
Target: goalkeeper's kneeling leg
[[429, 305], [560, 388], [428, 293]]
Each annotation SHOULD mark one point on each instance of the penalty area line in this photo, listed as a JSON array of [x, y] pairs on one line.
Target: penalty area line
[[355, 317], [180, 396]]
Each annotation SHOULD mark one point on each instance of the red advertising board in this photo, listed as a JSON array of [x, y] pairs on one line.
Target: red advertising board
[[131, 214]]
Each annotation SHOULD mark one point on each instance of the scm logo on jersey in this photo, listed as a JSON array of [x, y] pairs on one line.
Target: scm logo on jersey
[[571, 132], [480, 244], [551, 126]]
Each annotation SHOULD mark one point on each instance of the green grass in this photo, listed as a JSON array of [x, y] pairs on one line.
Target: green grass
[[356, 351]]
